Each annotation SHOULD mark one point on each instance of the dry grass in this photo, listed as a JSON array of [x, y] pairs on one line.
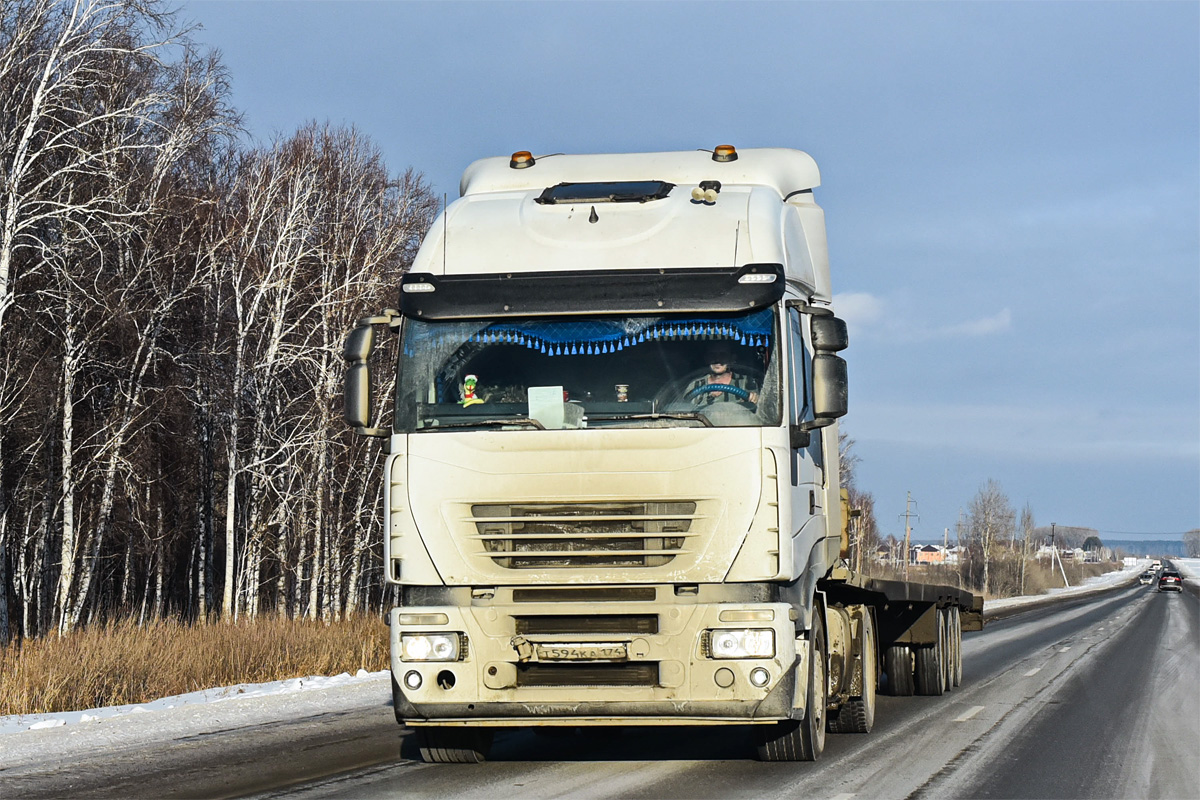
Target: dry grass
[[121, 663]]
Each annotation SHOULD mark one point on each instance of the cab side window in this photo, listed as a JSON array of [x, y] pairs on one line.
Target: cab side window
[[798, 383]]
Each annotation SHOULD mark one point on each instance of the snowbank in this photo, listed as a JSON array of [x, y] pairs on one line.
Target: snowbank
[[240, 692], [1189, 568], [1099, 583]]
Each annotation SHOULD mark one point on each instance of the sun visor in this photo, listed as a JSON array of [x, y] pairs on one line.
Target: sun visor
[[641, 291]]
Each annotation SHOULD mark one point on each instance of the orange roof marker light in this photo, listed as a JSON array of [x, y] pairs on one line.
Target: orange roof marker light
[[522, 159], [724, 153]]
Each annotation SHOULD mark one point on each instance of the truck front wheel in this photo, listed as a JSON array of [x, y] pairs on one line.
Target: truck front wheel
[[858, 715], [803, 740], [454, 745]]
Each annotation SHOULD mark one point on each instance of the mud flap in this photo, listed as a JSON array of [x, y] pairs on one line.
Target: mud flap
[[800, 678]]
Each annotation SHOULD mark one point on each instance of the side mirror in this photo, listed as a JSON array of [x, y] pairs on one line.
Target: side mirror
[[830, 388], [357, 396], [829, 334]]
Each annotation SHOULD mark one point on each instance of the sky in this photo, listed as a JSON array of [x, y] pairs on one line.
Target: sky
[[1011, 189]]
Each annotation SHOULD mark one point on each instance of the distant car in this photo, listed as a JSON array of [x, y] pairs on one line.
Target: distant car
[[1170, 581], [1146, 578]]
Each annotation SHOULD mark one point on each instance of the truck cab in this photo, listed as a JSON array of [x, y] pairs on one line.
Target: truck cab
[[612, 486]]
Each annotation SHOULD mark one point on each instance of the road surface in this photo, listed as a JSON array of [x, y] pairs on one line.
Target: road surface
[[1095, 698]]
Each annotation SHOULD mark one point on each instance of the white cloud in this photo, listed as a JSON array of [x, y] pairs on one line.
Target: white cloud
[[984, 326], [869, 315], [859, 309]]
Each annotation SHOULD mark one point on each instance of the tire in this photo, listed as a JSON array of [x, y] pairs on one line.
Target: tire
[[947, 650], [898, 664], [454, 745], [956, 639], [803, 740], [931, 664], [858, 715]]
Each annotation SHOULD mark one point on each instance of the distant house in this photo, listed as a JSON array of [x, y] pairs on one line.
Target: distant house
[[928, 554]]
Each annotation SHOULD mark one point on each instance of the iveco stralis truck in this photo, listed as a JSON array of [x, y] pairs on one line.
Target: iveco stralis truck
[[612, 493]]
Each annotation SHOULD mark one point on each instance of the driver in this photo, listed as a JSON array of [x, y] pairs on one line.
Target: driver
[[718, 356]]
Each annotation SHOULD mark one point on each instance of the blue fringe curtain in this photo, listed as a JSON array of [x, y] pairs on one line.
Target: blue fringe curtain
[[600, 336]]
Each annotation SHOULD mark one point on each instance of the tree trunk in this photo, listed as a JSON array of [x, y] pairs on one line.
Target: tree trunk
[[5, 634], [227, 609], [66, 575]]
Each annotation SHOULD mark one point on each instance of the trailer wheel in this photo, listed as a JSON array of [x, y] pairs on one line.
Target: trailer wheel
[[898, 664], [454, 745], [947, 650], [931, 664], [956, 639], [858, 715], [802, 740]]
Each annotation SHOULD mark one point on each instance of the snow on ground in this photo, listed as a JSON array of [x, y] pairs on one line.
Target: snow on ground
[[1189, 568], [1097, 584], [240, 692], [34, 738]]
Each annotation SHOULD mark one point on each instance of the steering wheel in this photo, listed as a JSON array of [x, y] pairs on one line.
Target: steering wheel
[[727, 388], [676, 395]]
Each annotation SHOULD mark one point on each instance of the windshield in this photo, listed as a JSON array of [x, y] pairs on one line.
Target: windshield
[[590, 372]]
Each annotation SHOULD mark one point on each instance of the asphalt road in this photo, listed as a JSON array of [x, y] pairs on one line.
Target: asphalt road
[[1093, 699]]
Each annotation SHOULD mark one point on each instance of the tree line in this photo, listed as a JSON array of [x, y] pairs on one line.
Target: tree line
[[173, 299], [995, 542]]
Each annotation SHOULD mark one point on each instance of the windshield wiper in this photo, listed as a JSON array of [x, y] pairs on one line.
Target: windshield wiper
[[696, 415], [533, 423]]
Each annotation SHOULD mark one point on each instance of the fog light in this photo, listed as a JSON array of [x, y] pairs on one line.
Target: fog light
[[759, 677], [412, 679]]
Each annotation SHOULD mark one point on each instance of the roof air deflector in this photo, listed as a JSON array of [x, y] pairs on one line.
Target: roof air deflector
[[610, 192]]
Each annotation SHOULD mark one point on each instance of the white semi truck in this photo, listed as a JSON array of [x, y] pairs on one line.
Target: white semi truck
[[612, 491]]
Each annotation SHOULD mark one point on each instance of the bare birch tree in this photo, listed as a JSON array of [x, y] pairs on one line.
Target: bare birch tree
[[990, 519]]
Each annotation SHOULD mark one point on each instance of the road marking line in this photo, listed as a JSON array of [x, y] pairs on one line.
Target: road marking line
[[1063, 649], [843, 796], [972, 712], [1033, 672]]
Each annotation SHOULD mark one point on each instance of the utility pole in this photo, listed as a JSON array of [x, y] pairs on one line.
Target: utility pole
[[1054, 554], [908, 531]]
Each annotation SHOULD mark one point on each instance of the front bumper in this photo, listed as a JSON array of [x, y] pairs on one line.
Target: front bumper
[[511, 669]]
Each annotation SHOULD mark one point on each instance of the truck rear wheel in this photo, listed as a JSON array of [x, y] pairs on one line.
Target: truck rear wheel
[[931, 663], [803, 740], [454, 745], [858, 715], [898, 664], [948, 651], [956, 646]]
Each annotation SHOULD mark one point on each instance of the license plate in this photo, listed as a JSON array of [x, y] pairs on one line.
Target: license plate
[[600, 651]]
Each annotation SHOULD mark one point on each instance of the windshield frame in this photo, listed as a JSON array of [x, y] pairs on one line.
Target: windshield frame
[[426, 401]]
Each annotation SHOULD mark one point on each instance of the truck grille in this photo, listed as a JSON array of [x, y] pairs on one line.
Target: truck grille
[[640, 673], [559, 535], [591, 624]]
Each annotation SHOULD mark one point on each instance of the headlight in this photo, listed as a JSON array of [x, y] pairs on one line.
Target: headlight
[[429, 646], [727, 643]]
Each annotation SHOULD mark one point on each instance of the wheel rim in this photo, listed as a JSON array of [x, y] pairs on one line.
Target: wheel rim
[[819, 702]]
